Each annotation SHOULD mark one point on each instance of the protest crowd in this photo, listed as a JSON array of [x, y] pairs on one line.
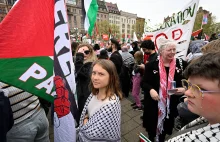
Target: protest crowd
[[178, 96], [115, 71]]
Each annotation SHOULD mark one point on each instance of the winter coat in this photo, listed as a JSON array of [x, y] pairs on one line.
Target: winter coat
[[82, 80], [151, 80]]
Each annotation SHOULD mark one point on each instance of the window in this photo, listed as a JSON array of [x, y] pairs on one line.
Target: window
[[105, 16], [69, 19], [82, 22], [74, 10], [75, 22], [128, 26]]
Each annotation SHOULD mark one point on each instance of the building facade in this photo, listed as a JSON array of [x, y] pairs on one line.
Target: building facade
[[127, 24], [5, 6], [102, 11], [114, 18], [75, 17]]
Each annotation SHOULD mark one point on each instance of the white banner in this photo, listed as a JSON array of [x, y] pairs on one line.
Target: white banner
[[178, 28], [65, 109]]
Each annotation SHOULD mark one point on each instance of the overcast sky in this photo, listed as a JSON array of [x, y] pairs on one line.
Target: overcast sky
[[156, 10]]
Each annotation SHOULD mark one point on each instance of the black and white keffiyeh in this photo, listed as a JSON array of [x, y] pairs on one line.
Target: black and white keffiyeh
[[208, 133], [103, 125]]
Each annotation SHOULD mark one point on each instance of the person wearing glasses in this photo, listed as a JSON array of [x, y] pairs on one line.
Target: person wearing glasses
[[85, 56], [160, 109], [203, 97]]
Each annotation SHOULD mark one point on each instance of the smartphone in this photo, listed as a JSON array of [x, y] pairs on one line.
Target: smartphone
[[172, 91]]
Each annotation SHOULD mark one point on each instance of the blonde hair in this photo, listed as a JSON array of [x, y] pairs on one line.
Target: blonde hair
[[138, 56], [92, 56], [164, 43]]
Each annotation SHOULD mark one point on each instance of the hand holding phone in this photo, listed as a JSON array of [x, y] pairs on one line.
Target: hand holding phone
[[172, 91]]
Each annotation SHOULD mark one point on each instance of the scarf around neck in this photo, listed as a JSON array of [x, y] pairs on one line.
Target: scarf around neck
[[165, 84]]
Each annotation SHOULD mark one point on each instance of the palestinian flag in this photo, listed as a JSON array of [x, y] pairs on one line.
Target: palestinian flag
[[90, 10], [35, 53], [27, 47], [143, 138]]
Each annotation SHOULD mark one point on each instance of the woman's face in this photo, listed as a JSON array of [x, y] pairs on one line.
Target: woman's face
[[100, 77], [169, 52], [208, 105], [85, 50]]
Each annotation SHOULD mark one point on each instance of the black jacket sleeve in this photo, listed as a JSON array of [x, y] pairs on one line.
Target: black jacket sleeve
[[147, 78], [117, 60], [6, 116], [82, 70]]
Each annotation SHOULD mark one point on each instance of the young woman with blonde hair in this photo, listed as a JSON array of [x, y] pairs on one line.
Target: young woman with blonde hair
[[85, 56]]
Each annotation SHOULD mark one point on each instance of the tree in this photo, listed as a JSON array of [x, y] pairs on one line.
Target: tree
[[208, 28], [215, 28], [115, 31], [103, 27], [139, 28]]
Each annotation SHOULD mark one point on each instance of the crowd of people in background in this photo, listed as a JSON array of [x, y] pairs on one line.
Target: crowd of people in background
[[104, 75], [147, 75]]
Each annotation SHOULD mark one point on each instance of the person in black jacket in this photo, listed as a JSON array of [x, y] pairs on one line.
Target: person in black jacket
[[160, 109], [85, 56], [6, 116], [116, 56], [135, 48], [122, 71]]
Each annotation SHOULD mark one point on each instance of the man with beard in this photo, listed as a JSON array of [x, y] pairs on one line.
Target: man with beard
[[116, 57], [148, 49]]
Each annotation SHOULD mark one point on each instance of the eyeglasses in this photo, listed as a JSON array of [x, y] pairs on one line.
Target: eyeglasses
[[86, 52], [195, 88]]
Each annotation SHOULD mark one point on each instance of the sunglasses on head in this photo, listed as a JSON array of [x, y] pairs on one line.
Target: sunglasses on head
[[86, 52]]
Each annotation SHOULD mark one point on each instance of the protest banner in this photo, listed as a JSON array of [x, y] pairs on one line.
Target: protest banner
[[177, 28]]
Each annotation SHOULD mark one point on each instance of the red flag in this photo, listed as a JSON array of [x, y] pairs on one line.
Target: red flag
[[206, 36], [96, 29], [22, 23], [110, 31], [105, 37], [196, 32]]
